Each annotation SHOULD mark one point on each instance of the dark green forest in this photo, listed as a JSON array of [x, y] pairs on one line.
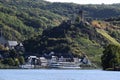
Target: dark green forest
[[111, 57]]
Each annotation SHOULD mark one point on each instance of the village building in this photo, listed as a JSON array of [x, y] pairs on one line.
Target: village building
[[8, 44], [12, 44], [52, 61], [43, 61]]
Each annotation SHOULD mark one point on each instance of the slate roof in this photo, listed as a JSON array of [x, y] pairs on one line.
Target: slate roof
[[12, 43]]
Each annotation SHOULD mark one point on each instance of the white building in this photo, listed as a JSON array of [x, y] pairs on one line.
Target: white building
[[44, 61], [9, 44], [32, 60], [76, 60], [54, 59], [12, 44], [61, 59]]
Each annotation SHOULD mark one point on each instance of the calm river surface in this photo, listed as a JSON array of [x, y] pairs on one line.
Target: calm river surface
[[44, 74]]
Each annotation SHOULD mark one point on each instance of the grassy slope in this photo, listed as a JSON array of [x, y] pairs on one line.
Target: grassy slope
[[107, 36], [92, 49]]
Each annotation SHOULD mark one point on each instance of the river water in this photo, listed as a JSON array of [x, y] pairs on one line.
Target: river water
[[52, 74]]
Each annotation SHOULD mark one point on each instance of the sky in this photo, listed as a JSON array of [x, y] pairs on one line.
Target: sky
[[88, 1]]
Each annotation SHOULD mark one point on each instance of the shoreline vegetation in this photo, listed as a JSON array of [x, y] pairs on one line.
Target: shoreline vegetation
[[112, 69], [111, 58]]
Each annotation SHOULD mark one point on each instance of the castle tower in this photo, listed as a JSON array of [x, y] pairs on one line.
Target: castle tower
[[81, 15]]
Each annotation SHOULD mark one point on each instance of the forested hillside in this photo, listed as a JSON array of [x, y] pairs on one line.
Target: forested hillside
[[21, 19], [44, 27], [74, 39]]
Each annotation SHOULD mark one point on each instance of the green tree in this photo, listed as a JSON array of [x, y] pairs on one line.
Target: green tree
[[21, 60], [9, 61], [111, 57], [1, 47], [13, 53], [17, 63]]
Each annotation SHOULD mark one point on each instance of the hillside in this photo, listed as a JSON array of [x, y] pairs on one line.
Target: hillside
[[71, 39], [75, 38], [46, 27], [21, 19], [112, 40]]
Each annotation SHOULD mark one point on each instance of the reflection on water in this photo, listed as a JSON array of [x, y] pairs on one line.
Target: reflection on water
[[58, 75]]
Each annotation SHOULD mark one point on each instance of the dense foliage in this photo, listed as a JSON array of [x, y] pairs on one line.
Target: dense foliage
[[21, 19], [111, 57], [11, 58]]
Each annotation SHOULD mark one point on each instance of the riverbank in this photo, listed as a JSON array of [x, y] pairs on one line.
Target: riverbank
[[113, 69]]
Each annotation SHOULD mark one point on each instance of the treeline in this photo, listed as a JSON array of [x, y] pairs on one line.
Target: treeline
[[91, 11], [111, 57], [11, 58]]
